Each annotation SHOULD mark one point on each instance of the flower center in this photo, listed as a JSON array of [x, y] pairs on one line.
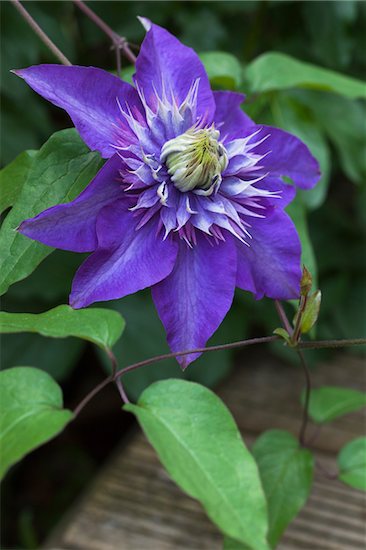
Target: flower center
[[195, 160]]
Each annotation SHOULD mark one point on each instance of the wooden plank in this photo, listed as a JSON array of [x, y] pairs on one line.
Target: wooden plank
[[133, 505]]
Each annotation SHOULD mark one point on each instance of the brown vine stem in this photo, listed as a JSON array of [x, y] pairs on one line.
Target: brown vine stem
[[292, 333], [324, 344], [283, 317], [117, 380], [91, 394], [42, 35], [119, 43], [118, 374], [233, 345], [305, 416]]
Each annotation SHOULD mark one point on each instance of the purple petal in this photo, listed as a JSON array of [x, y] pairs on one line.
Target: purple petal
[[164, 63], [126, 260], [286, 192], [72, 226], [89, 96], [288, 157], [196, 296], [271, 265], [229, 118]]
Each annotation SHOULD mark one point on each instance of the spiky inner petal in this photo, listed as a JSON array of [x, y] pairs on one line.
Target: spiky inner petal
[[177, 171], [195, 160]]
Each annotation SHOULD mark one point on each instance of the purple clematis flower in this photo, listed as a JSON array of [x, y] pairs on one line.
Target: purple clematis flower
[[190, 201]]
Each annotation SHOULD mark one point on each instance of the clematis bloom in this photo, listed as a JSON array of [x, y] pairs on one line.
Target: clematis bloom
[[190, 201]]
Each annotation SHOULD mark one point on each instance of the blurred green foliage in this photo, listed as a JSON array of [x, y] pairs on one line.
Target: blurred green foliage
[[230, 36]]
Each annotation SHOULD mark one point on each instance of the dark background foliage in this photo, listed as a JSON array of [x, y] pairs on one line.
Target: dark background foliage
[[330, 34]]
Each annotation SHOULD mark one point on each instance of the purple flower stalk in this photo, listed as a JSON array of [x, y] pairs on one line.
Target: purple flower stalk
[[190, 201]]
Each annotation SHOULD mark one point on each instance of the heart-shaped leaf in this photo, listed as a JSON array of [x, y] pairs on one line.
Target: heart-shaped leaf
[[278, 71], [59, 172], [287, 472], [100, 326], [329, 402], [32, 413], [199, 444], [352, 463]]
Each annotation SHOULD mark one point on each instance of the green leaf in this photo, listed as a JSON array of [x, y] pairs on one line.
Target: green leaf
[[59, 172], [287, 472], [32, 413], [232, 544], [12, 178], [343, 121], [278, 71], [223, 69], [284, 335], [352, 463], [297, 211], [100, 326], [199, 444], [311, 312], [328, 403]]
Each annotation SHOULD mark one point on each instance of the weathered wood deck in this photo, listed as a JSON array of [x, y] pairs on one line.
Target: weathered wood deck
[[133, 505]]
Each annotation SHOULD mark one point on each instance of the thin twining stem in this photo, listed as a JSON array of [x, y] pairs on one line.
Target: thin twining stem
[[233, 345], [118, 374], [305, 417], [42, 35], [119, 42], [323, 344], [117, 380], [283, 317], [92, 394]]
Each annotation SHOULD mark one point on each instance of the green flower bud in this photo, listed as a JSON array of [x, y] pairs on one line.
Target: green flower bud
[[195, 160]]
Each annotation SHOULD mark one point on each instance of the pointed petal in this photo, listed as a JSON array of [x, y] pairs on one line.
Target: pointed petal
[[286, 193], [71, 226], [196, 296], [164, 63], [271, 265], [288, 156], [90, 96], [126, 260], [229, 118]]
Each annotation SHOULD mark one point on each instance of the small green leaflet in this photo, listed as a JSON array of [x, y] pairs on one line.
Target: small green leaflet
[[12, 178], [59, 172], [278, 71], [352, 463], [310, 313], [223, 69], [32, 413], [328, 403], [100, 326], [287, 473], [200, 446]]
